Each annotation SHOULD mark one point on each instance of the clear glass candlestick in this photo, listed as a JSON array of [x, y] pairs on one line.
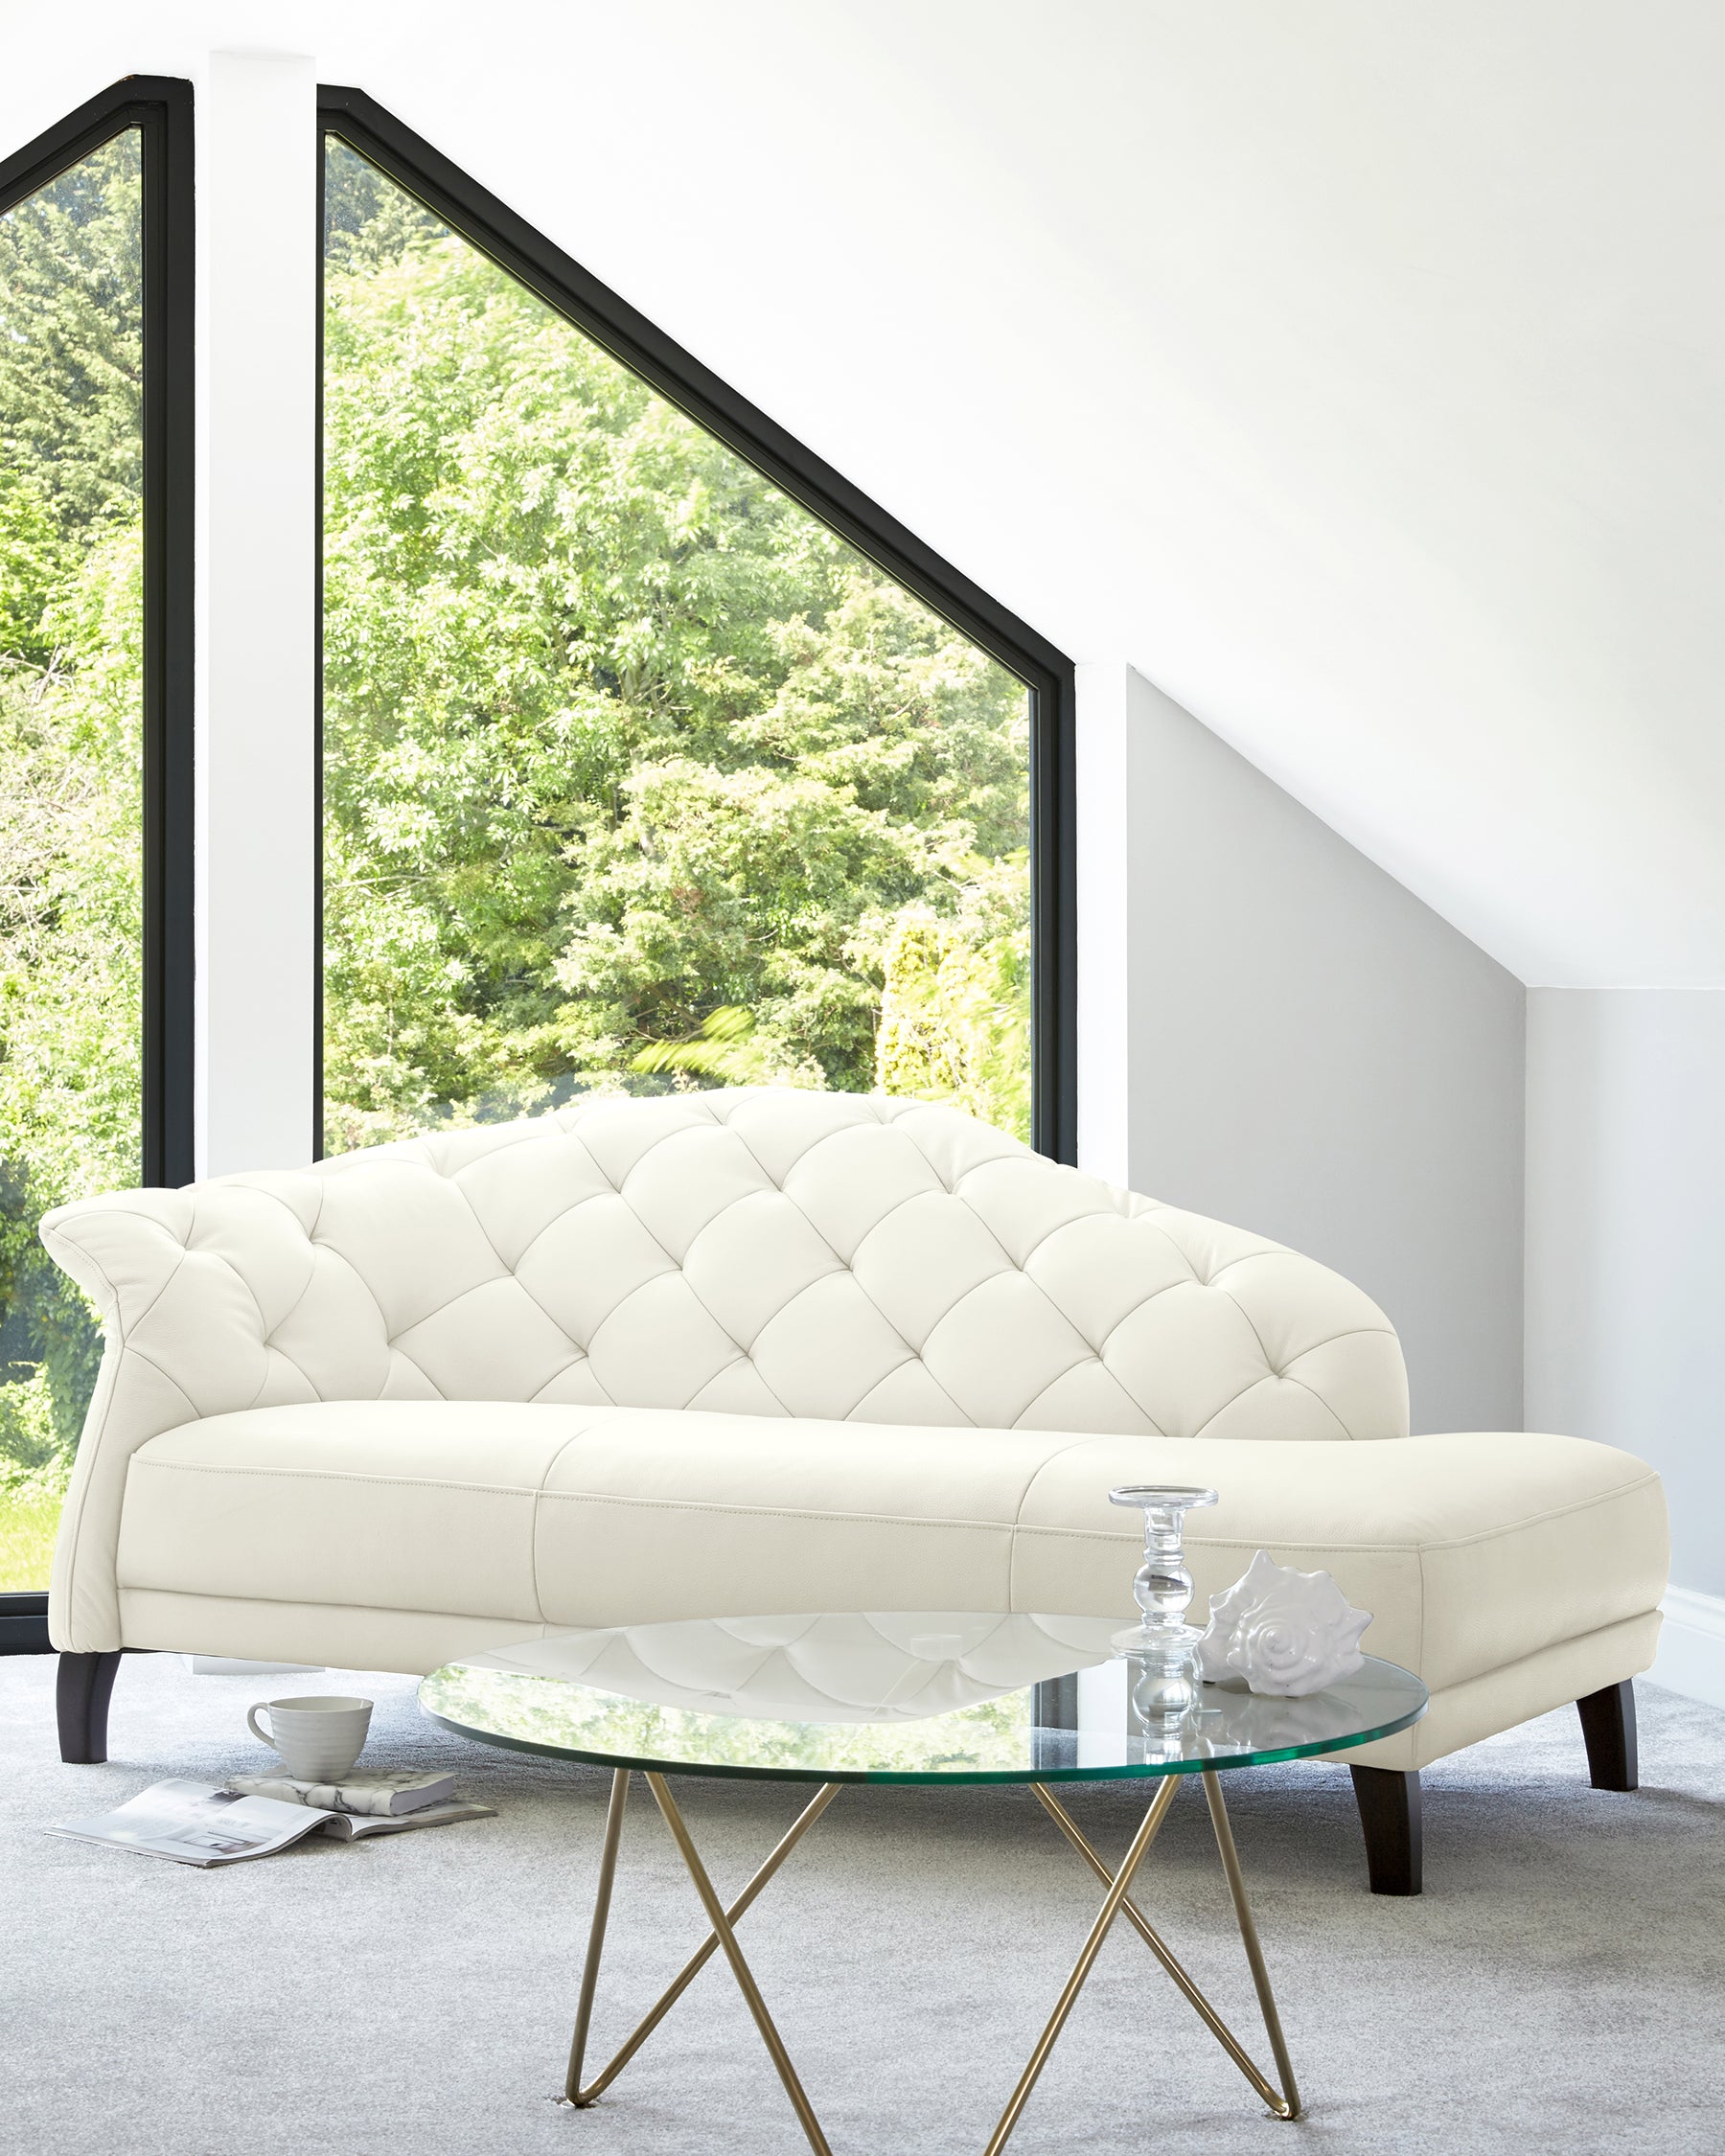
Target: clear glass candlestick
[[1164, 1683]]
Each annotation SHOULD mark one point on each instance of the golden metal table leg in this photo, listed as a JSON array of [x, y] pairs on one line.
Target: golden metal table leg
[[740, 1969], [1283, 2106], [1289, 2107], [1081, 1968], [573, 2091]]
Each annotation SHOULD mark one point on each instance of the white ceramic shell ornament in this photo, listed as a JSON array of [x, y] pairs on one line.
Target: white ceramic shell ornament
[[1287, 1633]]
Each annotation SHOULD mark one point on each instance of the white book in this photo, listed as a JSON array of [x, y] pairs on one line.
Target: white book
[[196, 1823]]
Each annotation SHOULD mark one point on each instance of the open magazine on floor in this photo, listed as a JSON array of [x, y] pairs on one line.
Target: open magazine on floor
[[196, 1823]]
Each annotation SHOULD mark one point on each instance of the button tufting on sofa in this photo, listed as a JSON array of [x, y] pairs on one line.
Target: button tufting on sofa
[[732, 1352]]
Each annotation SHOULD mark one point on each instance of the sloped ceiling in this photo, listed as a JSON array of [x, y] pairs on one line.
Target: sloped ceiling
[[1353, 370]]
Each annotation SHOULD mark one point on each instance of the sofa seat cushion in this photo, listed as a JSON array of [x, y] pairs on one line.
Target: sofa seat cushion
[[1472, 1552]]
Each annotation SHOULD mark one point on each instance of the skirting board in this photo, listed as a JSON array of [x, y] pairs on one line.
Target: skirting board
[[1692, 1647]]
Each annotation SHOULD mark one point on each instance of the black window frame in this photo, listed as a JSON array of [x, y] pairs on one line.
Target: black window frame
[[352, 117], [160, 107]]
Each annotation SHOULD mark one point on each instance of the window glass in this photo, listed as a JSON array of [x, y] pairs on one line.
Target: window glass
[[637, 776], [71, 792]]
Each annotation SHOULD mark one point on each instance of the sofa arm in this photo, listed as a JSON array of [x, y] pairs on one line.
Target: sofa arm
[[188, 1283]]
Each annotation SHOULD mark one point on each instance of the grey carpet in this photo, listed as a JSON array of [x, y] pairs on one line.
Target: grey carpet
[[1559, 1986]]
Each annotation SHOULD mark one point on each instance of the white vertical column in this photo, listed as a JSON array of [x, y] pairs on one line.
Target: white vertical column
[[1104, 836], [256, 347]]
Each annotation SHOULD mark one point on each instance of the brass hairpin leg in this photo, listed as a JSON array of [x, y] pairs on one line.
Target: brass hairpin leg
[[1288, 2106], [573, 2092], [1283, 2105], [1119, 1882], [1284, 2102], [740, 1969], [721, 1933]]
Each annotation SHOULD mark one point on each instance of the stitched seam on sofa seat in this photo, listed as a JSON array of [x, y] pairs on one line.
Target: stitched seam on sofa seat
[[1461, 1685], [1326, 1542], [384, 1609], [806, 1512], [203, 1595], [528, 1490], [1552, 1647], [1031, 1479], [573, 1438], [531, 1492], [1421, 1632], [199, 1594], [603, 1411], [778, 1511]]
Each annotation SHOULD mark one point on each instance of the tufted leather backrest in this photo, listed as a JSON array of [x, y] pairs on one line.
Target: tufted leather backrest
[[766, 1252]]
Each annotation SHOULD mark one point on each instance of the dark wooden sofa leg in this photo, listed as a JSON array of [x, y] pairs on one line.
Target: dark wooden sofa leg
[[84, 1687], [1388, 1804], [1608, 1731]]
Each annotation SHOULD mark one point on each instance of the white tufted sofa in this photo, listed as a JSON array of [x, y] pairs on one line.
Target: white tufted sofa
[[717, 1354]]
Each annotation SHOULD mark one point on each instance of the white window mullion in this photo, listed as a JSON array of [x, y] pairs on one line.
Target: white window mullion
[[1107, 771], [257, 345]]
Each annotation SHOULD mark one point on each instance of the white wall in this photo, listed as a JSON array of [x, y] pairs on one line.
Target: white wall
[[1106, 746], [1310, 1051], [1626, 1242]]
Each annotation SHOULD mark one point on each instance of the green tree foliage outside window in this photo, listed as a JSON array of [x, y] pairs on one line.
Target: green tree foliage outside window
[[71, 881], [637, 775]]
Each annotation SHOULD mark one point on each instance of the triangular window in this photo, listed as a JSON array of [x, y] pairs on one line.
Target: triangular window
[[637, 775]]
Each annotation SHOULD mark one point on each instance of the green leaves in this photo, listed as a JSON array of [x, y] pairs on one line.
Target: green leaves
[[71, 871], [621, 742], [71, 339]]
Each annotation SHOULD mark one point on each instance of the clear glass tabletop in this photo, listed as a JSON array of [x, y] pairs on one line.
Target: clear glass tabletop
[[928, 1696]]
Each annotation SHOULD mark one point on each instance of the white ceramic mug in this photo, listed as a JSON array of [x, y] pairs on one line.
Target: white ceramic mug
[[318, 1739]]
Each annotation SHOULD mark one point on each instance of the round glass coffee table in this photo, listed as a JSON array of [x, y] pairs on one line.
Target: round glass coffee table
[[920, 1697]]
